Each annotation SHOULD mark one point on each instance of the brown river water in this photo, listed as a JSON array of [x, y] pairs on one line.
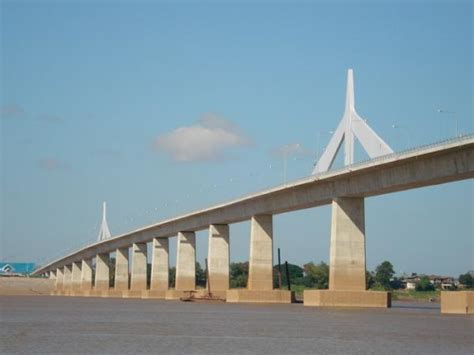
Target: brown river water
[[68, 325]]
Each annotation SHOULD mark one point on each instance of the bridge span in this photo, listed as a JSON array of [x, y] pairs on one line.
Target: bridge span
[[344, 188]]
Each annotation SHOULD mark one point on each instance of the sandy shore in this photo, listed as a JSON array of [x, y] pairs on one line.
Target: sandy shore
[[25, 286]]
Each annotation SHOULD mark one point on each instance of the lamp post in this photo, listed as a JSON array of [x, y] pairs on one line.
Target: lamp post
[[453, 116]]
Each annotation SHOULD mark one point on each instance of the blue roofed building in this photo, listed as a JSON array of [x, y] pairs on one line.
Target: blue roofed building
[[16, 268]]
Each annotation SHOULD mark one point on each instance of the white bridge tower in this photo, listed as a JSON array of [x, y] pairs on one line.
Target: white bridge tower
[[104, 232], [351, 125]]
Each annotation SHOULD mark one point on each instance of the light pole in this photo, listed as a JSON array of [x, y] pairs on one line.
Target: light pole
[[440, 111]]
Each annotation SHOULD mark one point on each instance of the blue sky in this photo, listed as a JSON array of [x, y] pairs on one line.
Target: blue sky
[[162, 108]]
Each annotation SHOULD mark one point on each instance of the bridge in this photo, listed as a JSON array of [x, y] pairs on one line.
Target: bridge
[[345, 189], [85, 272]]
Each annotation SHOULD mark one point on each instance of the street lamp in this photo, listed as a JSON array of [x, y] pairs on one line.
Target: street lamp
[[440, 111]]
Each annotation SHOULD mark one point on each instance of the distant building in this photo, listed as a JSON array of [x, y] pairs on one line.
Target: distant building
[[411, 281], [12, 269], [440, 282]]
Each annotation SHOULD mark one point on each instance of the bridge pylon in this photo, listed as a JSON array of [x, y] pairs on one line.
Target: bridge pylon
[[104, 232], [351, 126]]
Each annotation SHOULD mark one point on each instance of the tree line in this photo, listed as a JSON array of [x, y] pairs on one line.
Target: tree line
[[311, 275]]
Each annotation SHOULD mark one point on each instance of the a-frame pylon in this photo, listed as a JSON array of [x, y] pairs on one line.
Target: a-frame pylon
[[104, 232], [351, 125]]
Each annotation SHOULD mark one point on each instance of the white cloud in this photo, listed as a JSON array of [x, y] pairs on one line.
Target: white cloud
[[51, 164], [208, 139], [11, 111]]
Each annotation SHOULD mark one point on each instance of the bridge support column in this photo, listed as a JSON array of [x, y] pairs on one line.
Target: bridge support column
[[159, 283], [185, 266], [59, 282], [76, 277], [67, 283], [260, 281], [52, 275], [102, 276], [121, 271], [347, 285], [139, 272], [218, 259], [86, 277]]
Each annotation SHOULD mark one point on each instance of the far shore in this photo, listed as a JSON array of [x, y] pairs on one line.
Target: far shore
[[25, 286]]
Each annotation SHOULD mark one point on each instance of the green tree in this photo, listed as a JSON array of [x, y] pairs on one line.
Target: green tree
[[172, 276], [111, 272], [200, 276], [316, 276], [369, 279], [296, 275], [466, 280], [396, 283], [424, 284], [384, 273], [148, 275], [239, 273]]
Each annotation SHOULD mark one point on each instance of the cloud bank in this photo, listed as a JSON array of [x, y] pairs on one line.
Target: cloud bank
[[208, 139]]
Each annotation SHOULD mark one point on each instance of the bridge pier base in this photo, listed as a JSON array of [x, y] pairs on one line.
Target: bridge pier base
[[347, 284], [67, 283], [458, 302], [185, 266], [139, 266], [58, 286], [102, 274], [218, 260], [260, 281], [159, 283]]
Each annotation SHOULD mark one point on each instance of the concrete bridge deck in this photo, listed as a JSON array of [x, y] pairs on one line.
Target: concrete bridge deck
[[435, 164]]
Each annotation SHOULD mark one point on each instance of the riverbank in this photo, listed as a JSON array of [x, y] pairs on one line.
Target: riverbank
[[25, 286]]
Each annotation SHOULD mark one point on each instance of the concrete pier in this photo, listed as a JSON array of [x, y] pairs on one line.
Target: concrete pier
[[185, 265], [102, 272], [159, 283], [347, 255], [138, 273], [76, 275], [260, 281], [52, 275], [121, 270], [86, 275], [59, 284], [347, 284], [218, 259], [67, 283], [261, 254], [186, 261]]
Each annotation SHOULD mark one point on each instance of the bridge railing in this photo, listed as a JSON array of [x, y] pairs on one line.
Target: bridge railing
[[465, 137]]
